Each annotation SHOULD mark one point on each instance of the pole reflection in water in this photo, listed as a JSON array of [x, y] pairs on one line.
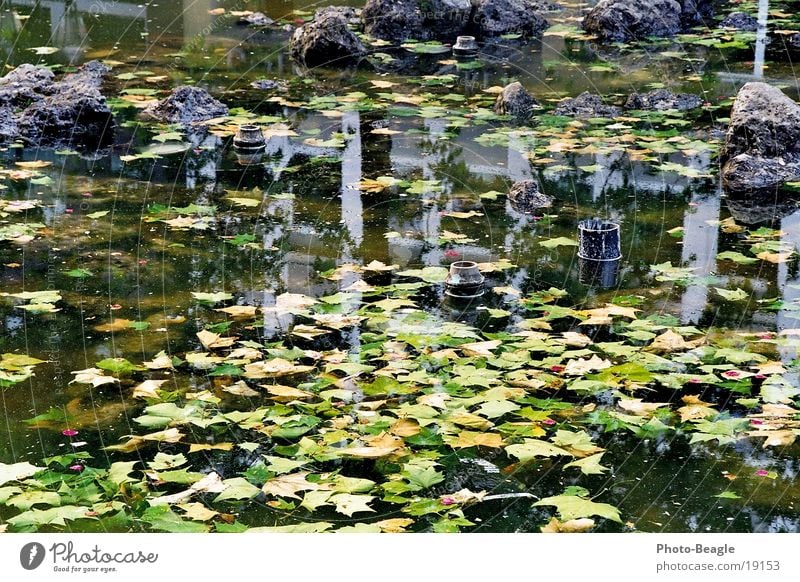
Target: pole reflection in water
[[761, 39], [701, 231]]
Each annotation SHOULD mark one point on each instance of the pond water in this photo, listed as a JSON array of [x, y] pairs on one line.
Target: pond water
[[406, 166]]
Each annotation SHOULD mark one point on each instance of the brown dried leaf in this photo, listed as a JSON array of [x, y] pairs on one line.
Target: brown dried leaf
[[571, 526], [405, 427], [211, 340], [286, 393], [467, 439]]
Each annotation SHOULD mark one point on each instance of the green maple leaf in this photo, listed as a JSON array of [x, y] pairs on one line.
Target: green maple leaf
[[736, 295], [28, 499], [314, 499], [237, 488], [52, 516], [162, 518], [496, 408], [212, 297], [530, 449], [422, 478], [560, 241], [736, 258], [427, 274], [119, 472], [589, 465], [574, 507], [17, 471]]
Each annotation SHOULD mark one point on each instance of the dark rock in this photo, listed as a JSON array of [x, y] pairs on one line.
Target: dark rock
[[498, 17], [393, 20], [762, 145], [661, 99], [326, 40], [624, 20], [740, 21], [74, 113], [546, 6], [446, 19], [9, 130], [400, 20], [90, 74], [586, 105], [348, 12], [257, 19], [269, 85], [514, 100], [186, 105], [696, 12], [526, 197], [24, 84], [764, 122]]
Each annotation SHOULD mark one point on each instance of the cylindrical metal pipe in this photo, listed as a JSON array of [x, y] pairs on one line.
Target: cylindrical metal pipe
[[599, 240], [464, 280]]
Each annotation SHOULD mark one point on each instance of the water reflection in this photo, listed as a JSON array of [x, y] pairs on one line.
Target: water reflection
[[701, 233], [315, 217]]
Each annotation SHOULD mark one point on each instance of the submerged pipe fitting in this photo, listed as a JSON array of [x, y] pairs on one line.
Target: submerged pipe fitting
[[464, 280], [249, 138], [465, 46]]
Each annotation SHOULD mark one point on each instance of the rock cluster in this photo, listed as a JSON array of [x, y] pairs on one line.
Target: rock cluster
[[44, 112], [526, 197], [625, 20], [740, 21], [762, 145], [661, 100], [186, 105], [515, 101], [400, 20], [586, 105], [327, 40]]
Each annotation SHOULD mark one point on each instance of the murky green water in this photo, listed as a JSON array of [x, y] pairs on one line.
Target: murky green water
[[314, 218]]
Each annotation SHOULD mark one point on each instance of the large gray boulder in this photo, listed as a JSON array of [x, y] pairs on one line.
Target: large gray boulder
[[762, 145], [74, 112], [25, 84], [498, 17], [327, 40], [740, 21], [444, 20], [515, 101], [696, 13], [394, 20], [184, 106], [662, 99], [625, 20]]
